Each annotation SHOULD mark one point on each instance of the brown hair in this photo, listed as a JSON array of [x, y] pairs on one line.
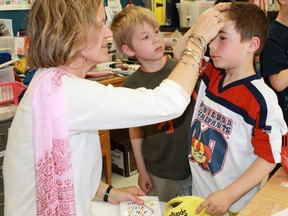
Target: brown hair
[[125, 22], [59, 29], [249, 21]]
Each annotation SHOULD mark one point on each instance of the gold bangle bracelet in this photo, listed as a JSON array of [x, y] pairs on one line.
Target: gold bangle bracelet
[[190, 64], [201, 39], [202, 49], [193, 51], [196, 58]]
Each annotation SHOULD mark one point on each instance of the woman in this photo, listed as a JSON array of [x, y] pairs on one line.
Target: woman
[[53, 160]]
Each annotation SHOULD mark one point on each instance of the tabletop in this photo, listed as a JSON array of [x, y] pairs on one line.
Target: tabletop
[[272, 197]]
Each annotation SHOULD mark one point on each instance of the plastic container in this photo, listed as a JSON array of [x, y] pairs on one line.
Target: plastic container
[[7, 75], [10, 91], [190, 11]]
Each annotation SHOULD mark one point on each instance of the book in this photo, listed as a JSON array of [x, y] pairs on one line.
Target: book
[[151, 207]]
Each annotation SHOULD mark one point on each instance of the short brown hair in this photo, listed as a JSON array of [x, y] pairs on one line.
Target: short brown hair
[[125, 22], [250, 21], [59, 29]]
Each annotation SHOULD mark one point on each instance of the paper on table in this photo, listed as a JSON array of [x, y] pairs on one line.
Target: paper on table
[[282, 213], [151, 207]]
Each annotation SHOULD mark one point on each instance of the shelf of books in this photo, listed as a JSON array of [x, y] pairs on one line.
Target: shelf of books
[[11, 7]]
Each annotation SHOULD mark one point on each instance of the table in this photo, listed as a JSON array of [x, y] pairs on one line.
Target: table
[[104, 137], [272, 198], [116, 81]]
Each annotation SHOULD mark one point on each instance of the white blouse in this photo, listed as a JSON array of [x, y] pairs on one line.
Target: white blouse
[[91, 107]]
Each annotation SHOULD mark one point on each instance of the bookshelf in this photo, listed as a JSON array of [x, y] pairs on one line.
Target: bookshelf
[[18, 13], [15, 7], [183, 30]]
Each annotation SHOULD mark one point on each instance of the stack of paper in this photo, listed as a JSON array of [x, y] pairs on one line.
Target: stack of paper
[[151, 207]]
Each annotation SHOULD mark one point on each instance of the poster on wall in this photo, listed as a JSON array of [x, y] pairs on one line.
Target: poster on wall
[[114, 7], [6, 28]]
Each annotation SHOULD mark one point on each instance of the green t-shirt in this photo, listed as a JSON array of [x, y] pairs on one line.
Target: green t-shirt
[[165, 145]]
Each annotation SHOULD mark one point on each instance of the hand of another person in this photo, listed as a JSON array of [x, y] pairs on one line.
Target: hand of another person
[[210, 22], [217, 203], [118, 195], [145, 182]]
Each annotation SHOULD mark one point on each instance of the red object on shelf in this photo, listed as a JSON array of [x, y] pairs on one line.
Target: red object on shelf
[[10, 91], [284, 153]]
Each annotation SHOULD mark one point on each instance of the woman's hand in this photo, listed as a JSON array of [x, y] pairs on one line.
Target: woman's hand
[[118, 195], [210, 22]]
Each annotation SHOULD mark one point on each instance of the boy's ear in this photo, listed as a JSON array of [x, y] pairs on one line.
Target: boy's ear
[[254, 44], [126, 49]]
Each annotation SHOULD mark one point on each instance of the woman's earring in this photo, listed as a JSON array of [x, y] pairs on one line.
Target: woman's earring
[[84, 55]]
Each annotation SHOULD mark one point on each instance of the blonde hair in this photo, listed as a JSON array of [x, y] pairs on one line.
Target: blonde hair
[[59, 29], [125, 22]]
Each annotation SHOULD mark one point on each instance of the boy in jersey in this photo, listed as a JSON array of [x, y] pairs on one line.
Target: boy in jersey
[[237, 125]]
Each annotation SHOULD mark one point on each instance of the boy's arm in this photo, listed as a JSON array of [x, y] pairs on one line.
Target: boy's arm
[[180, 46], [279, 81], [219, 202], [136, 137]]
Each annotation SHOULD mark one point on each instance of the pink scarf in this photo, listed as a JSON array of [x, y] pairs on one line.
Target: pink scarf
[[54, 179]]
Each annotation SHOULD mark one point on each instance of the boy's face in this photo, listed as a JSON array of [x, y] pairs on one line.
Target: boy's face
[[148, 43], [226, 50]]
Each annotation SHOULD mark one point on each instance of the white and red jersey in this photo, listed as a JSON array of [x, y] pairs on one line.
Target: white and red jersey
[[231, 127]]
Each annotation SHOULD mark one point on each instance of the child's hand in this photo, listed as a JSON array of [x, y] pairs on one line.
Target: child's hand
[[145, 182], [217, 203]]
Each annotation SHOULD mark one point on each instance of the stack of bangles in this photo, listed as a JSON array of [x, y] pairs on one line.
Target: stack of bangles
[[200, 42]]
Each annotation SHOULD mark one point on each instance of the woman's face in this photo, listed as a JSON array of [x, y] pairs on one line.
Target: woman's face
[[97, 50]]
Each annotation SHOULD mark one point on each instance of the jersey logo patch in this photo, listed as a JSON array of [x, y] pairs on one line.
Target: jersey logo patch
[[208, 146]]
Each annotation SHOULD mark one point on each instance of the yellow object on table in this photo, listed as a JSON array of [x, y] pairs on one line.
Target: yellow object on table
[[184, 205], [21, 65]]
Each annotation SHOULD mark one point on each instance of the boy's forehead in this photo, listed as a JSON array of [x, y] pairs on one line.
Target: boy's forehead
[[229, 25], [143, 26], [225, 16]]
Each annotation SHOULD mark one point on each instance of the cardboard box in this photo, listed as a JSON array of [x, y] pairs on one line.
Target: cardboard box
[[4, 127], [122, 157]]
